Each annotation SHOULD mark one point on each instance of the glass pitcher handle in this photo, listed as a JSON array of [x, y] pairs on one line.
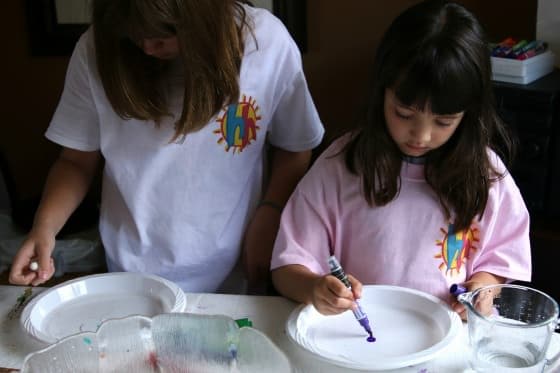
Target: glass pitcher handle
[[554, 359]]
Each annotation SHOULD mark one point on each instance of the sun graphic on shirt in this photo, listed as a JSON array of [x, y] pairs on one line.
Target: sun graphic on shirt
[[238, 124], [456, 248]]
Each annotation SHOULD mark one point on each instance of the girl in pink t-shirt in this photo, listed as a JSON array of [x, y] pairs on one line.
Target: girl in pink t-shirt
[[418, 196]]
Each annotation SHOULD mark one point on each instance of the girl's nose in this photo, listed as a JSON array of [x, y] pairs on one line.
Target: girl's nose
[[151, 46], [421, 132]]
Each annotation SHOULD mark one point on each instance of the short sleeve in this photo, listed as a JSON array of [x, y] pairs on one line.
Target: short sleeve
[[295, 123], [504, 247], [75, 123], [305, 232]]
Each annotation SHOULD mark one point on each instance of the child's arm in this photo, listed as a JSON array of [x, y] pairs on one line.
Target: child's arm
[[287, 168], [326, 293], [476, 281], [67, 184]]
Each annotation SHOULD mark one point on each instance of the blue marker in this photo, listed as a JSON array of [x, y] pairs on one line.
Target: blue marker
[[457, 289], [338, 272]]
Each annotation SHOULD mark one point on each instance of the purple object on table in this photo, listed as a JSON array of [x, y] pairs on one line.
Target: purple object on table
[[457, 289], [338, 272]]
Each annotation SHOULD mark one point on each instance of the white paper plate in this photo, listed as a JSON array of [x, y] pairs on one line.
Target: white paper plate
[[411, 327], [82, 304]]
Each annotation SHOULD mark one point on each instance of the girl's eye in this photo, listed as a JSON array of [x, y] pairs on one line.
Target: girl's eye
[[403, 115], [448, 122], [444, 124]]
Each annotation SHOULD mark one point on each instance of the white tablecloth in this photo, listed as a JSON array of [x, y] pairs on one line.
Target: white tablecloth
[[268, 314]]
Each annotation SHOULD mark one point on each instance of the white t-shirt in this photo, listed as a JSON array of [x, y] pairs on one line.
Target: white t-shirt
[[179, 210], [407, 242]]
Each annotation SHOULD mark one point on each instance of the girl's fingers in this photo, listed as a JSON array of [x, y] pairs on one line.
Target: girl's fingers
[[44, 274], [332, 297], [19, 272], [356, 286]]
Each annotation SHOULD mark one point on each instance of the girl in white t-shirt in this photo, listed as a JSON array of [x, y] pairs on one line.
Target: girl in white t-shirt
[[181, 100], [417, 197]]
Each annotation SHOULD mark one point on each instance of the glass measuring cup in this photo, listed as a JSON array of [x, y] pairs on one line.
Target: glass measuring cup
[[510, 327]]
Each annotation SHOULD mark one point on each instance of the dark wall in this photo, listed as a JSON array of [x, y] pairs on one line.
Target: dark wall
[[31, 87], [342, 36]]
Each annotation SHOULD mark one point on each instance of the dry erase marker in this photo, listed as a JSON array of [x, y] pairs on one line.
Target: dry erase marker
[[33, 266], [338, 272], [457, 289], [525, 48]]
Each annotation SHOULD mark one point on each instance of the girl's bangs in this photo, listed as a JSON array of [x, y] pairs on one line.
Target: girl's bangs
[[443, 84], [144, 20]]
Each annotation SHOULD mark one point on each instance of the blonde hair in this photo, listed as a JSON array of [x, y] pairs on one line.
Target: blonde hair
[[210, 38]]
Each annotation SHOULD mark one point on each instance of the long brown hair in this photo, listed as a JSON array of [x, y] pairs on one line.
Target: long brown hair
[[210, 36], [434, 53]]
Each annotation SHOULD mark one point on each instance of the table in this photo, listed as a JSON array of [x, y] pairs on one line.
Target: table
[[268, 314]]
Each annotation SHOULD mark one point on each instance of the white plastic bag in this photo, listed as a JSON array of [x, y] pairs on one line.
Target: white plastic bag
[[81, 253]]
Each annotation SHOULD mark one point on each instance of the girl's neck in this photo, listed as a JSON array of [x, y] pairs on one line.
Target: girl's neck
[[414, 160]]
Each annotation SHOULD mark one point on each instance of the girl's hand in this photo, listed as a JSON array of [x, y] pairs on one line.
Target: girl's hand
[[458, 306], [38, 246], [484, 303], [331, 296]]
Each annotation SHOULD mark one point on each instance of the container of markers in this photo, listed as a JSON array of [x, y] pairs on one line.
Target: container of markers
[[520, 61]]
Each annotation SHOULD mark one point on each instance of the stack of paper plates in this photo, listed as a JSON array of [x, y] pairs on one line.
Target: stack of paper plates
[[82, 304]]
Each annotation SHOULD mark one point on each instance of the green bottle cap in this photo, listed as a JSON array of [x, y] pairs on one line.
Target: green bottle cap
[[244, 322]]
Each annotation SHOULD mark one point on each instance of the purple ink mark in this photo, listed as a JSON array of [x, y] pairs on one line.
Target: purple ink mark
[[153, 360], [364, 322]]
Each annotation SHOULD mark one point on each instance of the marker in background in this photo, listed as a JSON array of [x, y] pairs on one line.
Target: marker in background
[[538, 48], [457, 289], [34, 266], [338, 272], [524, 49], [503, 47], [516, 49]]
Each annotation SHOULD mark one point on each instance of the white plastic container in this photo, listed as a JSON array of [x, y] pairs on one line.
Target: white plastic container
[[522, 72]]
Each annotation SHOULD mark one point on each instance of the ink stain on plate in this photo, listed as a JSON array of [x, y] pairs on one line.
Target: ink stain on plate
[[153, 360]]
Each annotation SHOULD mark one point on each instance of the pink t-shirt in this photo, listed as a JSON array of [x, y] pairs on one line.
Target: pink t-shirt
[[407, 242]]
